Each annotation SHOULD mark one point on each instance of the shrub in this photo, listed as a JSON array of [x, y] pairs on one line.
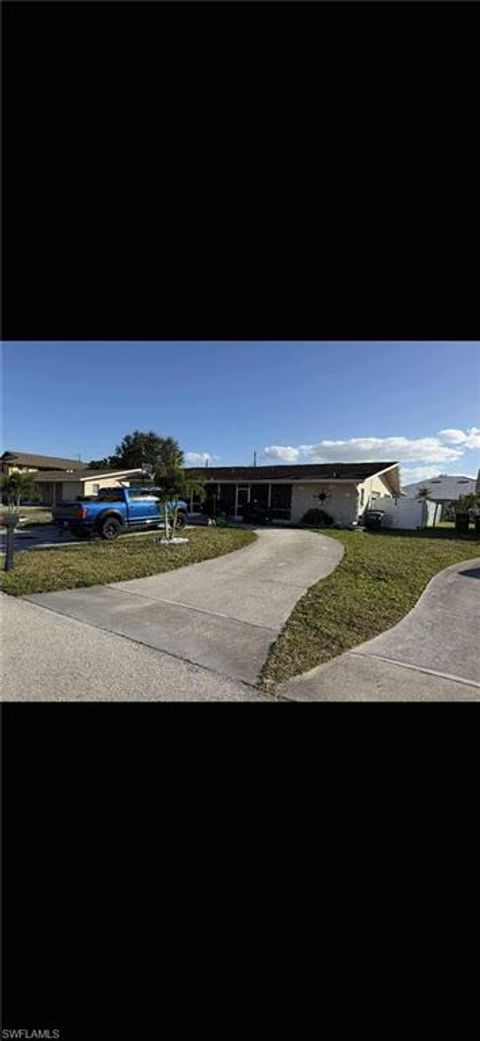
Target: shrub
[[317, 518]]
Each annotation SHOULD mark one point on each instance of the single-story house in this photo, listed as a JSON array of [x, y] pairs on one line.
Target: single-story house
[[26, 462], [445, 489], [55, 486], [343, 490]]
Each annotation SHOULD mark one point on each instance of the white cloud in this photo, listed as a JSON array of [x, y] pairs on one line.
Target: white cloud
[[457, 437], [371, 449], [467, 438], [412, 474], [428, 455], [282, 452], [199, 458]]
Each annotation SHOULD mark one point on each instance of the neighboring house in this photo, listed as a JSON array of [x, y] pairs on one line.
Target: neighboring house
[[444, 489], [55, 486], [344, 490], [26, 462]]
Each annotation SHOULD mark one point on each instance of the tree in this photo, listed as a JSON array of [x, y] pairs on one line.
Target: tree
[[467, 502], [99, 464], [173, 480], [425, 494], [139, 448], [17, 486]]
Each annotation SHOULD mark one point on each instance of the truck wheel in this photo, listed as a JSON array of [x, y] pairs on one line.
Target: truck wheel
[[181, 520], [110, 528]]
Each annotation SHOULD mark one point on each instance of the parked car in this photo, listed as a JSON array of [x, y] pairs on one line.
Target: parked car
[[115, 511]]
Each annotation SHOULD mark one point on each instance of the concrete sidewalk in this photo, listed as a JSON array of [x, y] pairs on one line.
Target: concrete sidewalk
[[48, 657], [222, 614], [431, 655]]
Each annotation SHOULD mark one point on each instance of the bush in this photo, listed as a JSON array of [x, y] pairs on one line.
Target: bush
[[317, 518]]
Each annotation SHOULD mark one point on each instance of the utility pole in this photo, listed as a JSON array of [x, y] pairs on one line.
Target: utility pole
[[254, 458]]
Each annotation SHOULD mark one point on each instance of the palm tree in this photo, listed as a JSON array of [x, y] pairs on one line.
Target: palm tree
[[425, 494], [173, 480], [17, 486]]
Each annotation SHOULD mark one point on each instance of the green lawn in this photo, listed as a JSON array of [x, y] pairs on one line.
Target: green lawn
[[97, 562], [376, 583], [31, 515], [35, 515]]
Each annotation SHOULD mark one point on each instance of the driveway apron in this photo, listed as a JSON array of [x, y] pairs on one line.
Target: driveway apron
[[432, 654], [222, 614]]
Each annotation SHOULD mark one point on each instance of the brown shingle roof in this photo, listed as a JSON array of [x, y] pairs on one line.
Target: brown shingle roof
[[82, 475], [297, 472], [42, 461]]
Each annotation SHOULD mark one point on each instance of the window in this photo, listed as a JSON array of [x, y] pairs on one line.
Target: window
[[281, 497], [362, 495], [226, 498], [111, 495], [141, 495]]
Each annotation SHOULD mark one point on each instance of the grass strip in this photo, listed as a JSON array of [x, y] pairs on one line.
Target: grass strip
[[96, 562], [377, 582]]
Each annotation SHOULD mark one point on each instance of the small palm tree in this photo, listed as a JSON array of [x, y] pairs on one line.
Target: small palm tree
[[17, 486], [173, 480], [425, 494]]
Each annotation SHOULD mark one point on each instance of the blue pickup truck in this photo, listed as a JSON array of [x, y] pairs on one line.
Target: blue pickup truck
[[114, 511]]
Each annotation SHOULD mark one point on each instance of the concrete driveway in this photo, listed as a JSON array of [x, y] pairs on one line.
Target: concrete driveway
[[38, 536], [222, 614], [432, 654]]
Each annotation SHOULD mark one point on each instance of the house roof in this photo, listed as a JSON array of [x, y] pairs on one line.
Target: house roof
[[81, 475], [44, 461], [297, 472], [444, 488]]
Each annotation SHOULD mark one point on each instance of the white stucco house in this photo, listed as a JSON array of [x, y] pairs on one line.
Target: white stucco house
[[343, 490], [55, 487]]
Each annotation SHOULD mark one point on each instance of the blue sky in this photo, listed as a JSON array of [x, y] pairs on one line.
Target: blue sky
[[415, 402]]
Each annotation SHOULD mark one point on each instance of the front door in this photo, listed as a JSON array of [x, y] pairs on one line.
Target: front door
[[242, 498]]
